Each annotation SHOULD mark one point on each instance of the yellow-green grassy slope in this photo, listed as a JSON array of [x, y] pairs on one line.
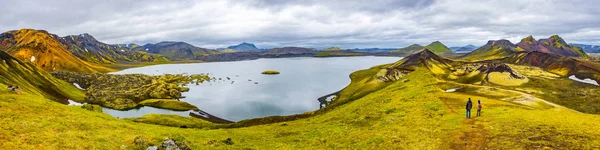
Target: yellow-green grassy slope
[[36, 81], [414, 114]]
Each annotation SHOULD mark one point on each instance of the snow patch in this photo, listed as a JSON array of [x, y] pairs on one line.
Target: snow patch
[[146, 49], [451, 90], [77, 85], [32, 59], [122, 50], [86, 50], [587, 80], [74, 103]]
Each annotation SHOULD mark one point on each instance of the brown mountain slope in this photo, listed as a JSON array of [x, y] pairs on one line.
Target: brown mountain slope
[[552, 45], [44, 51], [561, 65]]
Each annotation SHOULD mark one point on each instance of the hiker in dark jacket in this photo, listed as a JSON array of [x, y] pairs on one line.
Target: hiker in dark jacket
[[469, 106], [479, 108]]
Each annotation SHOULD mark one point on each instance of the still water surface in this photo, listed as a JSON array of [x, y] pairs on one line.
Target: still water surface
[[295, 90]]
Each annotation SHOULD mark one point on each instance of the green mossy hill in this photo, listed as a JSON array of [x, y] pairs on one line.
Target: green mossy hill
[[436, 47], [31, 79], [126, 91], [270, 72], [494, 49], [169, 104]]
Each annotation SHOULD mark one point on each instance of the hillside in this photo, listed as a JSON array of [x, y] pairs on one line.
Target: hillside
[[33, 80], [494, 49], [44, 51], [553, 45], [243, 47], [409, 49], [557, 64], [436, 47], [176, 50]]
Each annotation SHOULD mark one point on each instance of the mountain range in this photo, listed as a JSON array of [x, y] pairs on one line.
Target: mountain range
[[588, 48], [176, 50], [495, 49]]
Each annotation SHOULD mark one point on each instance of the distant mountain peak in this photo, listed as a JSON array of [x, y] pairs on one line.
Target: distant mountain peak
[[529, 40], [436, 42], [501, 42], [244, 46]]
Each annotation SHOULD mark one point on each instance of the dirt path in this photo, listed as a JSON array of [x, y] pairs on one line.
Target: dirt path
[[473, 137]]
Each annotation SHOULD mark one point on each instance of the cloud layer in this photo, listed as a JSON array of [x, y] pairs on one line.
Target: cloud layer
[[309, 23]]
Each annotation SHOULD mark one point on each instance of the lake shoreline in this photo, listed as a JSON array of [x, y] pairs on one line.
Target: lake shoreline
[[303, 81]]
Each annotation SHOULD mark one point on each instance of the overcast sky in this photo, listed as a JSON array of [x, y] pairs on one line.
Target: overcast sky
[[308, 23]]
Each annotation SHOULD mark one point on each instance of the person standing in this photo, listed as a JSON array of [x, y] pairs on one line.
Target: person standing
[[469, 106], [479, 108]]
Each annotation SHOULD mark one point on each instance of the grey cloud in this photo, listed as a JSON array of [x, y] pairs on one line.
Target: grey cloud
[[310, 23]]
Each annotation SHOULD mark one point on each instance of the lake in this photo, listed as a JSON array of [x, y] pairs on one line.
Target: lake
[[250, 94]]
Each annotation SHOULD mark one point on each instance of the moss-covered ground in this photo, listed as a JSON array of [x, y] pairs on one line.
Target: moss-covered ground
[[412, 113], [169, 104]]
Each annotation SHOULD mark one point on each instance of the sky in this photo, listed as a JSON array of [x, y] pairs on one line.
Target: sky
[[308, 23]]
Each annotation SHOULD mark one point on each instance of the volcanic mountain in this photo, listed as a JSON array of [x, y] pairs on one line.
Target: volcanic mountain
[[176, 50], [423, 58], [494, 49], [552, 45], [44, 51]]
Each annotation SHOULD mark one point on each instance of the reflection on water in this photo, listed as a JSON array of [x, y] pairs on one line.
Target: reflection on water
[[249, 94], [142, 111]]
